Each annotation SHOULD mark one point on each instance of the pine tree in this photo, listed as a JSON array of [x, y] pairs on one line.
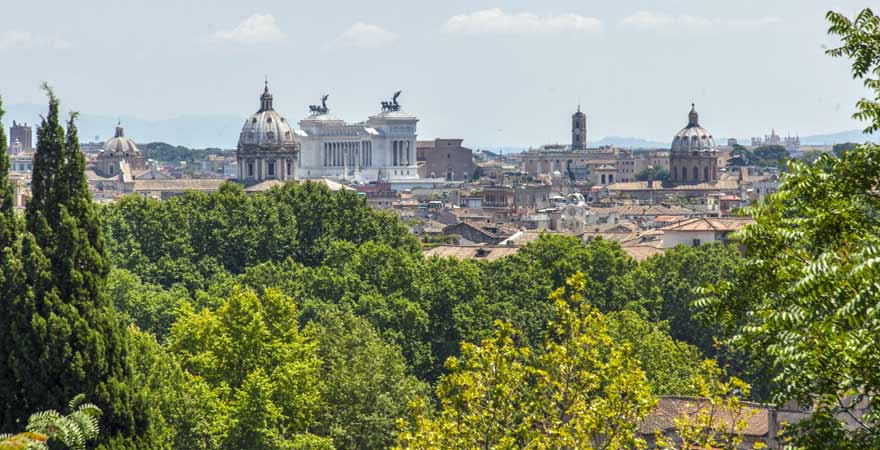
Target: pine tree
[[64, 336]]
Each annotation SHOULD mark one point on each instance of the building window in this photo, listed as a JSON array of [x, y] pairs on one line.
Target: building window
[[270, 168], [696, 173], [250, 169], [289, 169], [696, 242]]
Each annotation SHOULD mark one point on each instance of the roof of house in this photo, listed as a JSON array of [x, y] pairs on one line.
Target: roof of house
[[91, 175], [641, 252], [710, 224], [722, 185], [179, 185], [645, 210], [264, 186], [669, 408], [489, 253], [500, 232], [332, 185]]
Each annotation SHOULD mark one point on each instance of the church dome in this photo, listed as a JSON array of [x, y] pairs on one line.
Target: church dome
[[266, 127], [120, 145], [693, 137]]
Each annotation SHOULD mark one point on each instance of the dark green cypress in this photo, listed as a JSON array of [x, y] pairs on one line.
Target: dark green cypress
[[12, 280], [65, 338]]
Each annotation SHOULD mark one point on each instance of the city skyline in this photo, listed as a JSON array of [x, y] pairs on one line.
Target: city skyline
[[635, 68]]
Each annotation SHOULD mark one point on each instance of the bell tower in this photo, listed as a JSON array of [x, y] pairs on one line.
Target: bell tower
[[579, 130]]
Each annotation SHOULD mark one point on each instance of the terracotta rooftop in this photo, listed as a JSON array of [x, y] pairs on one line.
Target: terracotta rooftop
[[489, 253], [645, 210], [642, 252], [670, 408], [179, 185], [723, 185], [710, 224]]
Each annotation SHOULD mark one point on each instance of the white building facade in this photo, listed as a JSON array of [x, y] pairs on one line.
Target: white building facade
[[381, 149]]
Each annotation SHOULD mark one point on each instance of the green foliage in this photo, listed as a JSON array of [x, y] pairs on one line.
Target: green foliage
[[186, 412], [669, 365], [366, 385], [51, 429], [192, 238], [813, 259], [764, 156], [717, 418], [64, 337], [769, 156], [161, 151], [656, 174], [6, 190], [252, 354], [861, 43], [582, 390], [149, 306], [517, 287], [838, 149]]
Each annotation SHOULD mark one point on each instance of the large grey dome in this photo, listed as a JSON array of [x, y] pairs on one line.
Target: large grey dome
[[693, 137], [266, 127], [120, 144]]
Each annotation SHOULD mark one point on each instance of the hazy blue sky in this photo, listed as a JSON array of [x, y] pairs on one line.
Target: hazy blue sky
[[492, 72]]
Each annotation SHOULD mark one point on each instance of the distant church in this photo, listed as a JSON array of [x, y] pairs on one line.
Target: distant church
[[382, 148], [693, 158], [579, 130], [266, 148]]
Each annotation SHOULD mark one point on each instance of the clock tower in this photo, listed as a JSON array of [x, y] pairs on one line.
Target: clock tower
[[579, 130]]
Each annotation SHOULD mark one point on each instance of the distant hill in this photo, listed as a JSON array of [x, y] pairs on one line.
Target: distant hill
[[628, 142], [192, 131], [839, 138]]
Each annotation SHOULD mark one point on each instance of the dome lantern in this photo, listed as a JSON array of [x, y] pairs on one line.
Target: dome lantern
[[266, 99], [693, 117]]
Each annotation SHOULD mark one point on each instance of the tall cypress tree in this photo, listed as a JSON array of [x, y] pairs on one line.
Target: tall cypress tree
[[65, 338], [12, 285], [6, 191]]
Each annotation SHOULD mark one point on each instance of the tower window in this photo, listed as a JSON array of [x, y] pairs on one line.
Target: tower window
[[250, 169], [270, 168]]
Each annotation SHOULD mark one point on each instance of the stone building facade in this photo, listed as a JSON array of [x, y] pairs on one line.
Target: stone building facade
[[119, 154], [266, 146], [445, 158], [693, 157], [383, 148], [22, 133], [579, 130]]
